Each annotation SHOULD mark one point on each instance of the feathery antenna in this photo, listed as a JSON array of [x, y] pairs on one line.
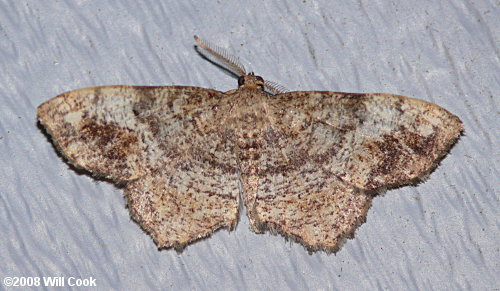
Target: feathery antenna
[[274, 87], [233, 64], [220, 53]]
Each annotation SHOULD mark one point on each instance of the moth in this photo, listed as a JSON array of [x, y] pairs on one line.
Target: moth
[[305, 164]]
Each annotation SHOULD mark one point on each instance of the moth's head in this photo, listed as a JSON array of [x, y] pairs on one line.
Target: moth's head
[[250, 81]]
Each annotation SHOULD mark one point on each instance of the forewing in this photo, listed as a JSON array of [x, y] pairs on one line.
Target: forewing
[[125, 132], [368, 140]]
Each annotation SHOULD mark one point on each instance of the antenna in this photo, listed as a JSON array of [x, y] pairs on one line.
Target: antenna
[[274, 87], [233, 65], [220, 53]]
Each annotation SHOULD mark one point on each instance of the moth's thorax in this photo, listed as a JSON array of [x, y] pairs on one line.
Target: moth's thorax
[[249, 109], [247, 118]]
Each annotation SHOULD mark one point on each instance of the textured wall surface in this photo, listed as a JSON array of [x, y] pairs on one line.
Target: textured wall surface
[[442, 234]]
